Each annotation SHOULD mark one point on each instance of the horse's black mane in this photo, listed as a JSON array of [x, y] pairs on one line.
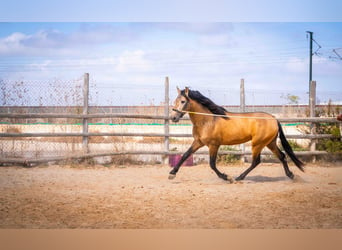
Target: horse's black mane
[[206, 102]]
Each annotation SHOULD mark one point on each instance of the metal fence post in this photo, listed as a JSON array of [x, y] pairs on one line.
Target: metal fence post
[[166, 121], [242, 109], [85, 112], [312, 106]]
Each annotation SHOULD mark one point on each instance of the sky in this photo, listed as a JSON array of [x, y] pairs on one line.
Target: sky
[[128, 58]]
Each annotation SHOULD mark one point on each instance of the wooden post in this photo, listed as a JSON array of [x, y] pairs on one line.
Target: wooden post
[[242, 96], [312, 106], [85, 111], [166, 122], [242, 109]]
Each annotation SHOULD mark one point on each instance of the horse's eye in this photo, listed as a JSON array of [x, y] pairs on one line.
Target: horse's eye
[[182, 102]]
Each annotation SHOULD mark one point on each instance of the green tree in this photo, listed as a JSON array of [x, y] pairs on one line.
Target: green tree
[[291, 99]]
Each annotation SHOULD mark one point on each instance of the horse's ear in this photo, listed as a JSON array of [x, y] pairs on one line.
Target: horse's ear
[[186, 92], [178, 90]]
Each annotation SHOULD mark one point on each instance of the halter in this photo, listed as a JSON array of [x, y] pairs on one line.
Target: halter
[[182, 112]]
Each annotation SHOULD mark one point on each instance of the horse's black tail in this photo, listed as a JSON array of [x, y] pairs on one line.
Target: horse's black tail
[[288, 149]]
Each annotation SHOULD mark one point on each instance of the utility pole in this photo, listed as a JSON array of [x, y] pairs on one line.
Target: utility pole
[[312, 98], [310, 56]]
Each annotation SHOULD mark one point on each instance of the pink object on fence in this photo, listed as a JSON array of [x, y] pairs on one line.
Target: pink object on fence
[[174, 159]]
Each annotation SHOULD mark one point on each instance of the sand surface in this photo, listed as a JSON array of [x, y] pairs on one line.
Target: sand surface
[[143, 197]]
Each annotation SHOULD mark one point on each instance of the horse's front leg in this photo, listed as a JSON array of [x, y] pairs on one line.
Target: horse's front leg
[[194, 147], [213, 149]]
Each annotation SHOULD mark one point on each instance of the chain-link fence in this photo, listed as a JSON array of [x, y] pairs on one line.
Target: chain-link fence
[[66, 97], [108, 133], [35, 97]]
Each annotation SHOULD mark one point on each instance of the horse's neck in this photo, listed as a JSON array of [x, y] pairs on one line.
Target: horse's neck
[[198, 119]]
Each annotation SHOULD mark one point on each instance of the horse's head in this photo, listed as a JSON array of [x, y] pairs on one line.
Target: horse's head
[[181, 104]]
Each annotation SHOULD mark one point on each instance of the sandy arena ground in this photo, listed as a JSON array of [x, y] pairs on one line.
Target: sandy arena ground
[[143, 197]]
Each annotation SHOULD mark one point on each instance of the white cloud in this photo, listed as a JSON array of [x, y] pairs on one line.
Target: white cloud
[[12, 44], [327, 67], [53, 42], [296, 65], [45, 39], [41, 43], [14, 38], [211, 56], [133, 61]]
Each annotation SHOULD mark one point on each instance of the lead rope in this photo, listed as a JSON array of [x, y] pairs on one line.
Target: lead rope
[[226, 116]]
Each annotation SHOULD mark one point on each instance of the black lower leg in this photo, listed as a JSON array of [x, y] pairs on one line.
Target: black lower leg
[[282, 158], [255, 163], [213, 167], [182, 160]]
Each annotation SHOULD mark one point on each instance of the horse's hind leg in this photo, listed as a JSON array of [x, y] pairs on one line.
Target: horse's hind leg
[[255, 162], [213, 155], [274, 148]]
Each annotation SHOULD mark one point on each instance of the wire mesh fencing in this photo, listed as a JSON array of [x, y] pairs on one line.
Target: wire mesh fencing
[[67, 97], [44, 136]]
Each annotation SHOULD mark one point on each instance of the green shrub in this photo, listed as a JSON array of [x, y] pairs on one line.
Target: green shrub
[[228, 158], [295, 146], [332, 145]]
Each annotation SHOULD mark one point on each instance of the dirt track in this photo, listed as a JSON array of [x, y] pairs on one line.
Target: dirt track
[[143, 197]]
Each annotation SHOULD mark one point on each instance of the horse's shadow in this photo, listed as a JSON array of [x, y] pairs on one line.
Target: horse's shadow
[[261, 178]]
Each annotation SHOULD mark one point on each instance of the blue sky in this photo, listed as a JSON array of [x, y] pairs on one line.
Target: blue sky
[[171, 10], [207, 54]]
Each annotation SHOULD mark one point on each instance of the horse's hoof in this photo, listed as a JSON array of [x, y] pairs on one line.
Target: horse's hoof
[[239, 178], [290, 175], [224, 176], [230, 179], [172, 176]]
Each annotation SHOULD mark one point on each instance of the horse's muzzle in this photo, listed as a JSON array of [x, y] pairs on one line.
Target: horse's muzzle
[[175, 118], [176, 115]]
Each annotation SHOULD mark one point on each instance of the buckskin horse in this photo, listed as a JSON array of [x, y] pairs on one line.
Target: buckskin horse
[[214, 126]]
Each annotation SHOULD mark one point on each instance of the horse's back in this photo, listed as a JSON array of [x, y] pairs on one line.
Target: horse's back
[[243, 127]]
